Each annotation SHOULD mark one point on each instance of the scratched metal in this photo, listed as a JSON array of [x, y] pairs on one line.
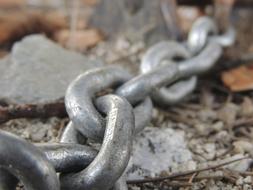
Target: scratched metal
[[168, 75], [205, 30], [63, 157], [81, 93], [163, 53], [24, 160], [114, 153], [68, 157]]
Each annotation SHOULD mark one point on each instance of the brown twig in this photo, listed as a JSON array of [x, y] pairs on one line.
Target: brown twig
[[32, 111], [178, 184], [200, 178], [192, 177], [181, 174]]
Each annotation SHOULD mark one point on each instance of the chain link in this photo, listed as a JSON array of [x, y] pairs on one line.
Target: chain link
[[87, 120], [168, 73], [165, 53], [114, 153], [199, 34], [23, 160]]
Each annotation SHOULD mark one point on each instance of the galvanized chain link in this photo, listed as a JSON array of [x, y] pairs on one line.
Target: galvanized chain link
[[168, 73]]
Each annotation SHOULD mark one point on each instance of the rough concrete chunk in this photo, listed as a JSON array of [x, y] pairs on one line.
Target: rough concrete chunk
[[156, 150], [39, 71]]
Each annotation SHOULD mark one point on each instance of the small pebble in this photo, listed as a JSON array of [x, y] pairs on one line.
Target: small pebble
[[248, 180]]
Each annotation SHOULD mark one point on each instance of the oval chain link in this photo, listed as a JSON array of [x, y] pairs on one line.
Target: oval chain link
[[114, 153], [163, 53], [79, 101], [168, 74]]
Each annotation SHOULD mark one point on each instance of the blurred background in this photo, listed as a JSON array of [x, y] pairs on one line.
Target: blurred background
[[215, 120], [82, 24]]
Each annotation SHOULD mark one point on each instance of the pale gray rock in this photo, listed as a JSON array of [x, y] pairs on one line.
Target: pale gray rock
[[156, 150], [240, 166], [39, 71], [38, 133]]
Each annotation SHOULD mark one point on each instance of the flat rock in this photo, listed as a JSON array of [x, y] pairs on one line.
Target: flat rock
[[39, 71], [157, 150]]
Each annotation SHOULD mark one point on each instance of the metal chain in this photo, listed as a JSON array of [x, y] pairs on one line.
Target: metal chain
[[168, 73]]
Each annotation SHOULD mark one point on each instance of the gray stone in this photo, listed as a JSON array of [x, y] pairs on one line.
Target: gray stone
[[39, 71], [156, 150], [39, 132]]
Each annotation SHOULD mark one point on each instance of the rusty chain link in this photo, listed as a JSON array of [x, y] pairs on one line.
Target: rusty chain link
[[168, 73]]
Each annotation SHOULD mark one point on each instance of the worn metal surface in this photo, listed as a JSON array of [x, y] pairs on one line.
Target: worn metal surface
[[168, 74], [165, 53], [199, 33], [141, 86], [24, 160], [114, 153], [68, 157], [81, 92]]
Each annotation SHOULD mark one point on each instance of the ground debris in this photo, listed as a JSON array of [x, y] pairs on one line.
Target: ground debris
[[151, 147], [81, 40], [216, 122]]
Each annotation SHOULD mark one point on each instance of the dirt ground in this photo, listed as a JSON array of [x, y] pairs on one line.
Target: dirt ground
[[217, 122]]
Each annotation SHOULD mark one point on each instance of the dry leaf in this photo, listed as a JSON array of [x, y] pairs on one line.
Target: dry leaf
[[80, 39], [238, 79]]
